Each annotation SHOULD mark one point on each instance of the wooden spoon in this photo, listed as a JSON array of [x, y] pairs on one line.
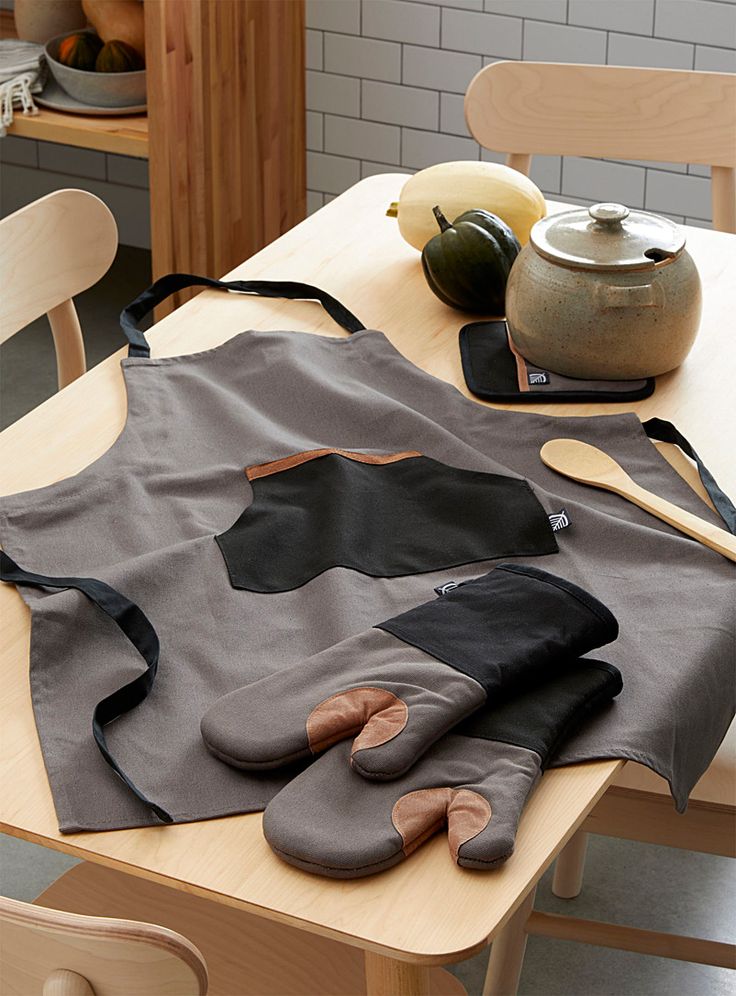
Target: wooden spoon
[[589, 465]]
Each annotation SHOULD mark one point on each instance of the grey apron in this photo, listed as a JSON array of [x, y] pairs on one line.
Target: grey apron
[[142, 522]]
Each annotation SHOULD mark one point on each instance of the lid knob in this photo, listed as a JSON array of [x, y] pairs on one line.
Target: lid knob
[[609, 214]]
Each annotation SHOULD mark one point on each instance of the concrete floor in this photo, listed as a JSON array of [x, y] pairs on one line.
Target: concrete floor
[[637, 884]]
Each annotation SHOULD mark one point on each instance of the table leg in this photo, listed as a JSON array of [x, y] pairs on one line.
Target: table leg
[[507, 953], [388, 977], [570, 866]]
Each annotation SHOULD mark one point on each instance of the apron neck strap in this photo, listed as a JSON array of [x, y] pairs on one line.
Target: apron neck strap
[[173, 282]]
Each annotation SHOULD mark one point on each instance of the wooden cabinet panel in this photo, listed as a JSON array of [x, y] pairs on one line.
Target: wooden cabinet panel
[[226, 129]]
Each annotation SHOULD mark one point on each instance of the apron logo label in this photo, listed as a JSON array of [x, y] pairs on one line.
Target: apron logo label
[[442, 589], [538, 378], [559, 520]]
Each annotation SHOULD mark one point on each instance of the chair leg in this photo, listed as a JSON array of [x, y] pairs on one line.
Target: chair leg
[[63, 983], [569, 867], [519, 161], [507, 953], [723, 197]]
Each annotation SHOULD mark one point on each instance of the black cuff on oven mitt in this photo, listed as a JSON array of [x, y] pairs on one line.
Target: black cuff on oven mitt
[[397, 688], [474, 782]]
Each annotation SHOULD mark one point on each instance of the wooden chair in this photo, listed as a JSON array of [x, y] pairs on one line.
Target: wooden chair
[[51, 250], [55, 953], [72, 949], [662, 115], [523, 108]]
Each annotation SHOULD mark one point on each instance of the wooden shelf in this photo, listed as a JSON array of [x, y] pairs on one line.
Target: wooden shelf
[[124, 135], [224, 134]]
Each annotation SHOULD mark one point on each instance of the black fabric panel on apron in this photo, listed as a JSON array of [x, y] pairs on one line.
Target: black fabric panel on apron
[[384, 519]]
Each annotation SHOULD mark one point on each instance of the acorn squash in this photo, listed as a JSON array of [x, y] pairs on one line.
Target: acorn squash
[[118, 57], [461, 186], [468, 263], [80, 50]]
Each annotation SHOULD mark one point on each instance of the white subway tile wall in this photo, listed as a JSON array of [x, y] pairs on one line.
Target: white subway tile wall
[[32, 169], [385, 85], [388, 78]]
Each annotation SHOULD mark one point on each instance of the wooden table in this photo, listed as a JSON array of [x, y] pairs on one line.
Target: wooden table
[[426, 911]]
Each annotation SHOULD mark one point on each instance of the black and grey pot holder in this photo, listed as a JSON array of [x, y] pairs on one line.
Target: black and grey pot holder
[[495, 371]]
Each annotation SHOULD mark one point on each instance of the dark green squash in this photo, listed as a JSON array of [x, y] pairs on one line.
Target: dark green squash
[[468, 263], [118, 57], [80, 50]]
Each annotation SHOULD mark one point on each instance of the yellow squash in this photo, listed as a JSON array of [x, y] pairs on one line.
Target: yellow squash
[[118, 20], [466, 186]]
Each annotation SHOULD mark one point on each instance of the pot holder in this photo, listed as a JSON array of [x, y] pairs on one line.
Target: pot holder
[[398, 687], [475, 782], [495, 371]]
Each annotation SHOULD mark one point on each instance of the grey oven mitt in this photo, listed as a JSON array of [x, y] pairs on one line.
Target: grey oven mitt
[[475, 782], [398, 687]]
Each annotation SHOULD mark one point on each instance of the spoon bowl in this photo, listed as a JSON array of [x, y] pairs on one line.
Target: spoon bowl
[[583, 462]]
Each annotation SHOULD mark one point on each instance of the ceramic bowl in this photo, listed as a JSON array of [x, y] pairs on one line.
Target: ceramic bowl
[[100, 89]]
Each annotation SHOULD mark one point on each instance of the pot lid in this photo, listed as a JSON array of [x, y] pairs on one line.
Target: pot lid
[[607, 237]]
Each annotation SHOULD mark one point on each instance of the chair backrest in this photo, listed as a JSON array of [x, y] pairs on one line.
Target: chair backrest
[[53, 953], [50, 250], [662, 115]]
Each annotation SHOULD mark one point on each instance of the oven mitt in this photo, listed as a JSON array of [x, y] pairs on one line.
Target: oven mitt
[[398, 687], [474, 782]]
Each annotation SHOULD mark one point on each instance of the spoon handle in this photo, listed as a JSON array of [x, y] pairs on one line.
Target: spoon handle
[[692, 525]]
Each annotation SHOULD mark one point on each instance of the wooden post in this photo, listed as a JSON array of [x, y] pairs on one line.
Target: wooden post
[[520, 161], [723, 196], [68, 342], [507, 952], [570, 867], [388, 977], [227, 129]]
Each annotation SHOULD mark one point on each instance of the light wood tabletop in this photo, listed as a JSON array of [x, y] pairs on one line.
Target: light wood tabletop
[[426, 911]]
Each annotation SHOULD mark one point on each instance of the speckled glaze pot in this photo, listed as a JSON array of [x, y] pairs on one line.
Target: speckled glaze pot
[[603, 293]]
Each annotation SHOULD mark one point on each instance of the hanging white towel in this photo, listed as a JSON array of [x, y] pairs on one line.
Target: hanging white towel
[[22, 73]]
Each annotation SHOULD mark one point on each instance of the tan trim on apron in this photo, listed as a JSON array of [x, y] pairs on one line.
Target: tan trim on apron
[[286, 463]]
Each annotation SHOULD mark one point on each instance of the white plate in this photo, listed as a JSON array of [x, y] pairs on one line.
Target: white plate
[[57, 99]]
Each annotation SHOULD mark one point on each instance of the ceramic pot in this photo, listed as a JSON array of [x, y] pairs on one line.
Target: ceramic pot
[[39, 20], [603, 293]]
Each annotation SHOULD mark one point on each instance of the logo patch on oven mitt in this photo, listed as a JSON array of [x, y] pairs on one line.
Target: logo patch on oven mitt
[[398, 687], [474, 783]]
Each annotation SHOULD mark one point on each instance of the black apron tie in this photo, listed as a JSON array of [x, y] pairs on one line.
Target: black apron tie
[[136, 626], [665, 432], [173, 282]]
